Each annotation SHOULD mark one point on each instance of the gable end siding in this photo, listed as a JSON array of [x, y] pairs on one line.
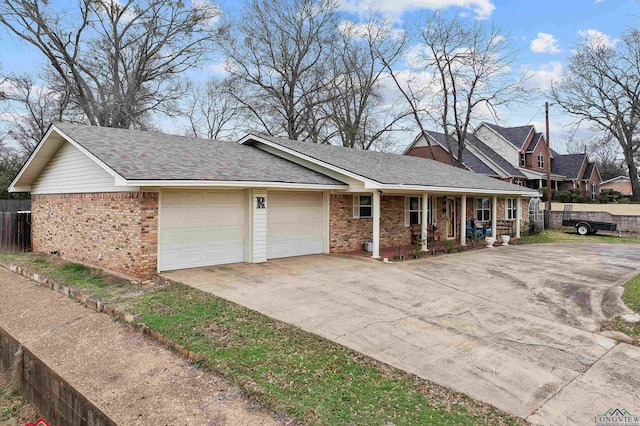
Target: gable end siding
[[70, 172]]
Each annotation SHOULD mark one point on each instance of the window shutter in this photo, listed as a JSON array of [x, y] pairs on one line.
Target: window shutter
[[407, 203], [356, 206]]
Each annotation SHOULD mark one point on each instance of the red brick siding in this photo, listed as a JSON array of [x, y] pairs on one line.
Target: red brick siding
[[439, 154], [122, 226], [624, 187], [348, 234], [587, 186]]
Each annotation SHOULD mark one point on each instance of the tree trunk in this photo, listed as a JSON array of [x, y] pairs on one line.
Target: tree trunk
[[633, 172]]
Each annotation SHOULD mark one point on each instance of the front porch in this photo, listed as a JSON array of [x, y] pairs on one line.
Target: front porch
[[394, 223]]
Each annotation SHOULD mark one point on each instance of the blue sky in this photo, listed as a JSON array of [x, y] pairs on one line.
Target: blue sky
[[544, 30]]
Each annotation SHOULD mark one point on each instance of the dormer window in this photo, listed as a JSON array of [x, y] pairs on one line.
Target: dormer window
[[523, 159], [541, 161]]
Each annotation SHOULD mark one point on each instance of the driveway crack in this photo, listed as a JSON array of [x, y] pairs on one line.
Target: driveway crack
[[374, 323]]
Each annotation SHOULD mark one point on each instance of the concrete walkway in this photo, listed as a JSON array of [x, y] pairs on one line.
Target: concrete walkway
[[131, 379], [516, 327]]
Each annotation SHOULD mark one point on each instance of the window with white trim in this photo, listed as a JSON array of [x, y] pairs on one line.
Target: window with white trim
[[541, 161], [510, 210], [483, 209], [594, 191], [362, 206], [413, 210], [523, 159]]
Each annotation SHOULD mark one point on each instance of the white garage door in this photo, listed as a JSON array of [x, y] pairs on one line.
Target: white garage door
[[294, 224], [201, 228]]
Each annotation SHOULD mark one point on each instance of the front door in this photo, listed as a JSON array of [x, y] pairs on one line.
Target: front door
[[451, 217]]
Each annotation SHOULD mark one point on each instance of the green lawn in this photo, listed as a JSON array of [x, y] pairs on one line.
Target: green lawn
[[569, 235], [631, 295], [287, 369]]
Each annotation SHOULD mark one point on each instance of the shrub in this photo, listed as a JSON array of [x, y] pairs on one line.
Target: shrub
[[572, 195], [449, 246], [608, 197], [533, 228]]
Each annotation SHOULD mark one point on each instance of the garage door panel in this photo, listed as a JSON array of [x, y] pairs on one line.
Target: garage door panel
[[175, 217], [201, 228], [294, 224]]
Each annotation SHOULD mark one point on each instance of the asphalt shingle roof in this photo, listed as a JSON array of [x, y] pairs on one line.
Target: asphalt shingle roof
[[517, 136], [468, 159], [494, 156], [588, 170], [568, 165], [395, 169], [142, 155], [534, 142]]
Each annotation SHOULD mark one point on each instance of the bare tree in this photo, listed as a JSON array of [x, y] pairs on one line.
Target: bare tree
[[119, 61], [361, 55], [32, 109], [461, 72], [279, 49], [213, 110], [10, 163], [600, 86]]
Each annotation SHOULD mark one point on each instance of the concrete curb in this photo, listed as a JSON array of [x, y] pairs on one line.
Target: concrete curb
[[102, 307]]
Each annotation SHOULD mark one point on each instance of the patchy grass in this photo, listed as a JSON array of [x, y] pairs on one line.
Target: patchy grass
[[631, 329], [91, 281], [14, 409], [569, 235], [631, 298], [287, 369]]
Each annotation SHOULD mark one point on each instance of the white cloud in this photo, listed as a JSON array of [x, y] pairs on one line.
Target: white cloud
[[362, 30], [542, 75], [598, 38], [222, 67], [599, 1], [482, 8], [545, 43]]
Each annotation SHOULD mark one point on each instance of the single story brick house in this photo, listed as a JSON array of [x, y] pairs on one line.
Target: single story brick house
[[621, 184], [144, 202]]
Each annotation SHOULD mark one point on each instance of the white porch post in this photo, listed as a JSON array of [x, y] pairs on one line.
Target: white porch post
[[425, 215], [518, 215], [376, 224], [494, 217], [463, 220]]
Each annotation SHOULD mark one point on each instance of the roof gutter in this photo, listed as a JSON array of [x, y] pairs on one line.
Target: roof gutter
[[454, 190], [232, 184]]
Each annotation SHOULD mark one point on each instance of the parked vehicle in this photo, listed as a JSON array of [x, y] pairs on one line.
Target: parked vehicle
[[584, 226]]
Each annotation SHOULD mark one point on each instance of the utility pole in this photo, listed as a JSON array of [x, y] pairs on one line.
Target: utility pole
[[548, 161]]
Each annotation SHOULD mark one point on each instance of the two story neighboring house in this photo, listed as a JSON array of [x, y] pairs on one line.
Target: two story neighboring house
[[512, 154]]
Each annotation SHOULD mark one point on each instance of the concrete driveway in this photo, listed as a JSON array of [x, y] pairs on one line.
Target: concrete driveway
[[516, 326]]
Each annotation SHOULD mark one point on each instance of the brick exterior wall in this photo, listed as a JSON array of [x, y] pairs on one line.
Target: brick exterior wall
[[120, 226], [439, 154], [348, 234]]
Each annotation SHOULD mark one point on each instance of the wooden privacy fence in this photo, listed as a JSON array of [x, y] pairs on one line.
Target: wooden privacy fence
[[15, 225]]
